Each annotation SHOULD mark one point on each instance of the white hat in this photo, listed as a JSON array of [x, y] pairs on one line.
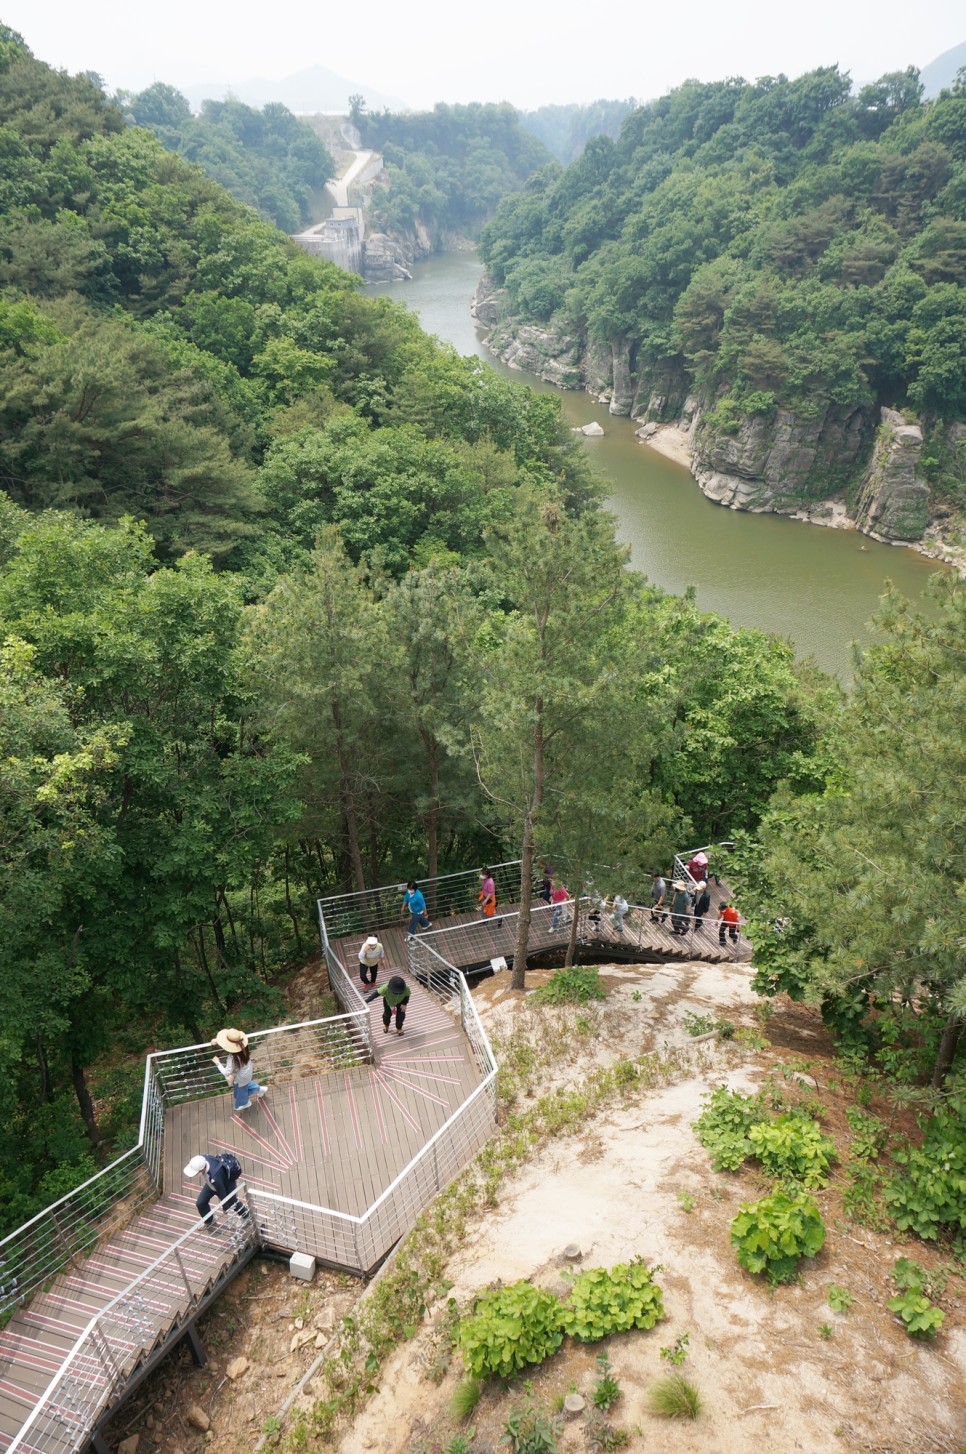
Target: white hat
[[371, 940], [703, 884], [196, 1164]]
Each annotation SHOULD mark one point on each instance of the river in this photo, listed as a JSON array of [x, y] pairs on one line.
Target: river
[[818, 587]]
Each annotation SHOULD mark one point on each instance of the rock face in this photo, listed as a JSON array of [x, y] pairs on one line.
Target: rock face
[[381, 261], [892, 502], [778, 461]]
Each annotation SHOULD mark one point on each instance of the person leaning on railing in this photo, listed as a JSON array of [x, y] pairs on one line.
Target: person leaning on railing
[[395, 997]]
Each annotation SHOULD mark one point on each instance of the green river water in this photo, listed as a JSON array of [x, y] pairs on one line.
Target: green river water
[[817, 587]]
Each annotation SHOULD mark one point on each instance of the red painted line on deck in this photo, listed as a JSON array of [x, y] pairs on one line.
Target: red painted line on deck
[[278, 1131], [17, 1391], [423, 1045], [276, 1164], [272, 1150], [417, 1090], [297, 1134], [352, 1112], [397, 1102], [324, 1128], [373, 1086], [401, 1070]]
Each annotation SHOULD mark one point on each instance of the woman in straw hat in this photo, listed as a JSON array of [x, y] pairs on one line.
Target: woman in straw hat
[[237, 1069]]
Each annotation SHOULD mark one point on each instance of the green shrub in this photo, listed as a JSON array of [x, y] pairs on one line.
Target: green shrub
[[607, 1390], [839, 1298], [529, 1430], [604, 1301], [574, 986], [920, 1317], [464, 1398], [930, 1195], [772, 1235], [674, 1398], [723, 1127], [509, 1328], [792, 1147], [868, 1134]]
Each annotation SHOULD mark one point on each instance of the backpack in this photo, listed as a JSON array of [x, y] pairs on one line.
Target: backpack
[[231, 1166]]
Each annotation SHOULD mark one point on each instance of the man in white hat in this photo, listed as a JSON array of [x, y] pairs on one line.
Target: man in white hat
[[371, 955], [221, 1179]]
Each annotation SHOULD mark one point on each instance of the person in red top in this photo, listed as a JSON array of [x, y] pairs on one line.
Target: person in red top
[[558, 898], [728, 921]]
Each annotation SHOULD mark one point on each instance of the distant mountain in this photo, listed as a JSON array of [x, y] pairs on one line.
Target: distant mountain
[[305, 92], [941, 72]]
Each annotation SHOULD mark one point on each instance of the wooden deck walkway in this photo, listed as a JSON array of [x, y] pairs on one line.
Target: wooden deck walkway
[[470, 942], [334, 1140]]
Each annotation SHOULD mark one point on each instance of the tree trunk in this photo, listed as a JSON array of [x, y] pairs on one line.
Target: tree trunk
[[349, 812], [574, 924], [43, 1073], [518, 978], [203, 956], [289, 906], [84, 1101], [947, 1049]]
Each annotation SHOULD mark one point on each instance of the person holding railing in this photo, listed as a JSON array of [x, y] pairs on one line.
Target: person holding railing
[[415, 905], [371, 955], [680, 907], [728, 921], [702, 903], [238, 1069], [221, 1179], [620, 908], [395, 997]]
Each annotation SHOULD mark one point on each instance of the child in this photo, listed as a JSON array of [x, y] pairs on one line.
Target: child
[[237, 1069]]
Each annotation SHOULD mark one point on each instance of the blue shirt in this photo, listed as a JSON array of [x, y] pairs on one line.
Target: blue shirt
[[414, 901]]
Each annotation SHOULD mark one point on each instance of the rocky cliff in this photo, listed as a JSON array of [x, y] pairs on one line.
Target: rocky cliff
[[893, 501]]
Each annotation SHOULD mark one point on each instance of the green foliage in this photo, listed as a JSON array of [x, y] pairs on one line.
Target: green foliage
[[773, 1235], [839, 1298], [868, 1134], [612, 1300], [674, 1397], [724, 1125], [465, 1397], [575, 986], [698, 1024], [793, 1148], [920, 1317], [677, 1352], [509, 1328], [607, 1389], [685, 1201], [928, 1196], [530, 1430]]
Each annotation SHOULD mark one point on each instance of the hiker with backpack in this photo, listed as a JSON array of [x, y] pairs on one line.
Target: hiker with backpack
[[221, 1179]]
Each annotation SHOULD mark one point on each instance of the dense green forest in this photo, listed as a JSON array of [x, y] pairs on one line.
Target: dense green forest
[[294, 600], [268, 158], [566, 130], [779, 244], [449, 167]]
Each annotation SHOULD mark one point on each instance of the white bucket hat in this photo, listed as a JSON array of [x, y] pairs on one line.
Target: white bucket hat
[[195, 1165]]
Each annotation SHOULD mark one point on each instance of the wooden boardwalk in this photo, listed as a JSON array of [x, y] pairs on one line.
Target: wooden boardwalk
[[334, 1140]]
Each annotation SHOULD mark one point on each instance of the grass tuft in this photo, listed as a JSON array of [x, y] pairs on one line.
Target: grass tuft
[[464, 1398], [674, 1397]]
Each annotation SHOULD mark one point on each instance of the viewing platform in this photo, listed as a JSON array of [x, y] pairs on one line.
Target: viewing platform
[[359, 1130]]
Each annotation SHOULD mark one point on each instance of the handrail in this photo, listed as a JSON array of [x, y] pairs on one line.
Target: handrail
[[379, 907], [102, 1317]]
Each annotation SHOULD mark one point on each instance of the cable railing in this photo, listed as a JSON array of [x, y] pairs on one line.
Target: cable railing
[[379, 908], [125, 1331]]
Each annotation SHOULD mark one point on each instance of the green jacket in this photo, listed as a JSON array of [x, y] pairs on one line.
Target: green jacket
[[392, 997]]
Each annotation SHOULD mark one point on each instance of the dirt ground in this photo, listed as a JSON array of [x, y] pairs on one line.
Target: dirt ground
[[777, 1371]]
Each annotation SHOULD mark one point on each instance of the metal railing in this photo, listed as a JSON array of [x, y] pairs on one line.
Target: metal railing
[[125, 1330], [378, 908]]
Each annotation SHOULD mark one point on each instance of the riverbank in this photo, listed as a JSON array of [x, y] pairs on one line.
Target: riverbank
[[671, 441]]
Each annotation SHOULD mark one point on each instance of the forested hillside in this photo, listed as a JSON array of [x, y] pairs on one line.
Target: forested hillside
[[788, 255], [447, 168], [566, 130], [294, 600], [269, 158]]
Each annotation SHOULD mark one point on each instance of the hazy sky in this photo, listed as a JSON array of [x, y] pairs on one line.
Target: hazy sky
[[513, 50]]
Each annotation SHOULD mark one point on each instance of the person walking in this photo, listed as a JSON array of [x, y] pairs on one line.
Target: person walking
[[486, 898], [371, 955], [395, 997], [546, 886], [558, 898], [620, 908], [414, 905], [658, 897], [702, 903], [698, 867], [221, 1179], [728, 921], [238, 1069], [680, 907]]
